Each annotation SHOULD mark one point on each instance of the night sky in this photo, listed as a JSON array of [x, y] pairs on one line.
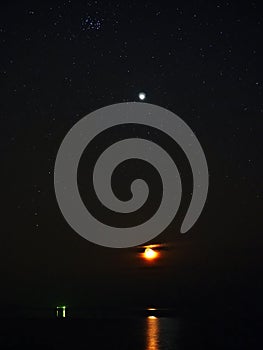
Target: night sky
[[61, 60]]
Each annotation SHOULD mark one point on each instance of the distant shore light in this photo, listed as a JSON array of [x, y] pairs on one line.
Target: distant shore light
[[61, 311]]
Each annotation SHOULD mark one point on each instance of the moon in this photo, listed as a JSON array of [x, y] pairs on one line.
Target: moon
[[150, 254], [142, 96]]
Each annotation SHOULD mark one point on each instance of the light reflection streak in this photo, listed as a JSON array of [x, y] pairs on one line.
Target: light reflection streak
[[152, 333]]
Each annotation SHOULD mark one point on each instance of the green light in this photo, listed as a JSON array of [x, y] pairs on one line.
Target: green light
[[63, 308]]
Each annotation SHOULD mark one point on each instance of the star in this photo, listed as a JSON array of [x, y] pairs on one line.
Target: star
[[142, 96]]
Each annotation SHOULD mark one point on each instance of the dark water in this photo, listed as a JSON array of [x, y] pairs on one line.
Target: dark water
[[142, 333]]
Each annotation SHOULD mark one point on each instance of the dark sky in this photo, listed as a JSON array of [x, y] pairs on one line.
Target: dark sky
[[61, 60]]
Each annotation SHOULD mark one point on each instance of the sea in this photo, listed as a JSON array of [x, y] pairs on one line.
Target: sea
[[152, 329]]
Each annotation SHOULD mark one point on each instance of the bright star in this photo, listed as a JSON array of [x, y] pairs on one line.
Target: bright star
[[142, 96]]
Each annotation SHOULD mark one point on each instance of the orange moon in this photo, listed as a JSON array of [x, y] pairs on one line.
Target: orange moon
[[150, 254]]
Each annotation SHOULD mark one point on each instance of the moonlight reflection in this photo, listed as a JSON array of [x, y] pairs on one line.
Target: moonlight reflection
[[152, 333]]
